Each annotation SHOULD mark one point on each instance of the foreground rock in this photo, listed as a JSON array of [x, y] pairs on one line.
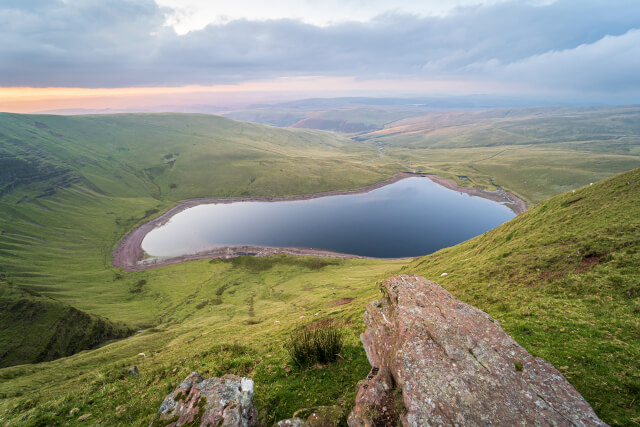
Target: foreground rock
[[225, 401], [438, 361]]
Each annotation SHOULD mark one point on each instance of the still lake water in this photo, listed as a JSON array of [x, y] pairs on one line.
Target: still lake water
[[411, 217]]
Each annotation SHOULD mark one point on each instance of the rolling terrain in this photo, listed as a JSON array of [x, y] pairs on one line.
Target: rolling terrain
[[562, 277], [535, 153], [346, 120], [573, 301], [75, 185]]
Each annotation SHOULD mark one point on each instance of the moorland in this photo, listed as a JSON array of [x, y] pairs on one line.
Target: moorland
[[562, 277]]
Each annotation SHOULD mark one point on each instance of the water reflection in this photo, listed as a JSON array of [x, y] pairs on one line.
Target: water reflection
[[411, 217]]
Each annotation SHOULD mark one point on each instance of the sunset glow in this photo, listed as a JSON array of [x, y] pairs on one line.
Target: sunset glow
[[169, 55], [29, 99]]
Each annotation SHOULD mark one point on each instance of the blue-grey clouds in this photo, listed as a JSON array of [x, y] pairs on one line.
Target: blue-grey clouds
[[575, 45]]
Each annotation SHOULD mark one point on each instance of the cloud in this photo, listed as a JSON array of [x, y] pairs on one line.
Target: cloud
[[611, 64], [190, 15], [575, 45]]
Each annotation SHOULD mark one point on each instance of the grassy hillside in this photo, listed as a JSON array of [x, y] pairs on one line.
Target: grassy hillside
[[533, 152], [73, 186], [219, 317], [561, 277], [36, 328], [173, 156], [347, 120], [563, 280]]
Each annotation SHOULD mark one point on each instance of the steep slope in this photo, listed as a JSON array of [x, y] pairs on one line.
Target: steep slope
[[537, 274], [563, 279], [73, 186], [173, 156], [219, 316], [36, 328]]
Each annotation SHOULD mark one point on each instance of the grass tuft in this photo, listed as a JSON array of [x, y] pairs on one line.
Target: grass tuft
[[258, 264], [315, 343]]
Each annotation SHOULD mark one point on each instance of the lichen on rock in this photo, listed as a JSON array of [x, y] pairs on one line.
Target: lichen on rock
[[227, 401], [439, 361]]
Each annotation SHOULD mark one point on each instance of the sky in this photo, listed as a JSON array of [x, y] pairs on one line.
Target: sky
[[162, 54]]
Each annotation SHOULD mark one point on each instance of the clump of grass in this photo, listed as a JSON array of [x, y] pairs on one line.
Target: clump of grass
[[138, 286], [258, 264], [316, 343]]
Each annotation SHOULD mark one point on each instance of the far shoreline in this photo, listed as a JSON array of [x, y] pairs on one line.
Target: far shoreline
[[130, 256]]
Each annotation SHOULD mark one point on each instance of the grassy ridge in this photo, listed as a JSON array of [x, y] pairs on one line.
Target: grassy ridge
[[560, 278], [533, 152], [76, 185], [178, 156], [118, 171], [37, 329], [563, 280]]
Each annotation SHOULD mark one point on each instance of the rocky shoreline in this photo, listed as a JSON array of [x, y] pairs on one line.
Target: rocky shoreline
[[130, 256]]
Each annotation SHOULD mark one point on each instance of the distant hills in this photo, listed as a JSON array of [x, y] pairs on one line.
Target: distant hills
[[561, 278]]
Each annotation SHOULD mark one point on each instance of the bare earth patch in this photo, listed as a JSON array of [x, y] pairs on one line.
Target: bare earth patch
[[341, 301]]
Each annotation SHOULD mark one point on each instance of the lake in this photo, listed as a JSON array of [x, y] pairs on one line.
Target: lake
[[411, 217]]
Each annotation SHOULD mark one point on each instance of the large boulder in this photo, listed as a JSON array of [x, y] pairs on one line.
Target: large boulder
[[439, 361], [225, 401]]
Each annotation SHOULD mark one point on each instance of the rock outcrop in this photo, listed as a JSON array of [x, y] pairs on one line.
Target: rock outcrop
[[439, 361], [225, 401]]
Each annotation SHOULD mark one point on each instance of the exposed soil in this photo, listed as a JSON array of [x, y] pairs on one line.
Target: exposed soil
[[588, 263], [129, 254], [341, 301]]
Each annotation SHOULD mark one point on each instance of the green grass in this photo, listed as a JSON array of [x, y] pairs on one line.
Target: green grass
[[318, 343], [77, 184], [563, 280], [121, 170], [538, 276], [36, 329], [536, 153], [234, 332]]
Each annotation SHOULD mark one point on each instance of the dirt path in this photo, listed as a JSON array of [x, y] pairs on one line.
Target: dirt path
[[129, 254]]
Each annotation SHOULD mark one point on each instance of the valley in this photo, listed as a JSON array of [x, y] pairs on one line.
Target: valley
[[561, 277]]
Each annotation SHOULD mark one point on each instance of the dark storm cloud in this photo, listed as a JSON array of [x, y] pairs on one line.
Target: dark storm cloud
[[574, 44]]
